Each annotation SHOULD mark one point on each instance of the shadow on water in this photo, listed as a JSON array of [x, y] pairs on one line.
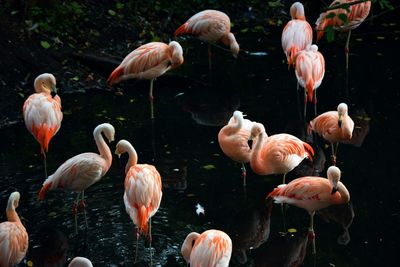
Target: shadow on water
[[190, 110]]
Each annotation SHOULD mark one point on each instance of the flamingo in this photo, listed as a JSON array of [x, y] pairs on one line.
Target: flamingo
[[333, 126], [210, 26], [233, 138], [148, 61], [13, 235], [80, 262], [212, 248], [143, 191], [42, 112], [278, 153], [297, 34], [83, 170], [310, 70], [355, 14], [313, 193]]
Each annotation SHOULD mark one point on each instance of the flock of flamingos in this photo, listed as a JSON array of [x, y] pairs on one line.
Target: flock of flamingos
[[276, 154]]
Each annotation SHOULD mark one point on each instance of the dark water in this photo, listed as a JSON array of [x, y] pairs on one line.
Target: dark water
[[191, 106]]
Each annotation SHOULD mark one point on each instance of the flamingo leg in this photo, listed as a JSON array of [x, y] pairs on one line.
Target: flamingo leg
[[333, 155], [312, 233], [151, 99], [84, 208], [305, 104], [137, 242], [346, 50], [209, 57], [150, 239], [336, 149], [244, 174], [75, 212], [315, 102], [284, 178], [45, 164]]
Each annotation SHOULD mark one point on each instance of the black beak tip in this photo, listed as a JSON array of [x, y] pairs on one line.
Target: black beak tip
[[334, 190], [53, 94], [340, 124]]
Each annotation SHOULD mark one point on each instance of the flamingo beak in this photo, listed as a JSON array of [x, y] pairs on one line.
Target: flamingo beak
[[340, 121], [53, 91], [334, 190]]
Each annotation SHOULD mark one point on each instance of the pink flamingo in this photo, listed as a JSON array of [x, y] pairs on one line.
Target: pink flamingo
[[83, 170], [212, 248], [310, 70], [233, 140], [333, 126], [355, 15], [80, 262], [313, 193], [42, 112], [13, 235], [278, 153], [211, 26], [297, 34], [148, 61], [143, 191]]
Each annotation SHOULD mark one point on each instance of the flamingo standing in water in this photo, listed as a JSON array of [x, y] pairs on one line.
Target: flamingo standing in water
[[80, 262], [143, 191], [355, 14], [212, 248], [297, 33], [310, 70], [13, 235], [313, 193], [233, 140], [83, 170], [148, 61], [278, 153], [211, 26], [334, 126], [42, 112]]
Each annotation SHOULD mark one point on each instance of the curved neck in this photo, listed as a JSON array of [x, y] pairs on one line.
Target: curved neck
[[102, 146], [12, 215], [188, 245], [344, 193], [133, 158], [258, 141]]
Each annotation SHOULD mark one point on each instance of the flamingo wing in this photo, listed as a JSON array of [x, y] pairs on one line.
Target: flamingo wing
[[296, 36], [212, 249], [13, 243], [142, 194], [42, 115], [78, 172], [326, 125]]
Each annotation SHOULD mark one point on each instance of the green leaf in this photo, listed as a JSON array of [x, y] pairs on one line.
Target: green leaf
[[119, 5], [343, 17], [45, 44], [112, 12], [76, 78], [208, 167], [330, 15], [120, 118], [330, 33]]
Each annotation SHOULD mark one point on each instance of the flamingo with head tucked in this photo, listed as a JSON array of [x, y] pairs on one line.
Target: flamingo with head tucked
[[310, 70], [211, 26], [297, 34], [80, 262], [13, 235], [148, 61], [233, 140], [313, 193], [212, 248], [143, 191], [343, 19], [83, 170], [278, 153], [42, 112], [334, 126]]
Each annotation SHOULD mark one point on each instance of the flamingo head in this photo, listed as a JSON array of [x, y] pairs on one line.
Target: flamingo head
[[342, 111], [107, 129], [297, 11], [256, 130], [121, 147], [45, 82], [188, 244], [177, 54], [333, 174], [13, 201]]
